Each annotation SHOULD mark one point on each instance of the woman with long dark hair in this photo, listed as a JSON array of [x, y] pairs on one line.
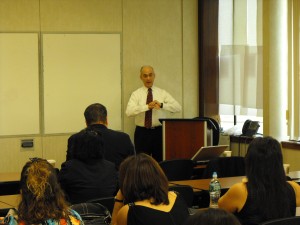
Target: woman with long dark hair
[[265, 194], [144, 198]]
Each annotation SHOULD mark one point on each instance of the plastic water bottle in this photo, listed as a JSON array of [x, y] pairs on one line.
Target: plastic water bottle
[[214, 191]]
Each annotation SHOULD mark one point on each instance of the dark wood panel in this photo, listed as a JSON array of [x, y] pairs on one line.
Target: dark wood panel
[[183, 138], [208, 13], [291, 144], [241, 139]]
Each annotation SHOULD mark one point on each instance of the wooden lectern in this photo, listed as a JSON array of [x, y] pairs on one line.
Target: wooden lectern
[[182, 138]]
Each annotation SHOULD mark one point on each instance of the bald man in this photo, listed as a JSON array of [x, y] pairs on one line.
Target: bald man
[[148, 104]]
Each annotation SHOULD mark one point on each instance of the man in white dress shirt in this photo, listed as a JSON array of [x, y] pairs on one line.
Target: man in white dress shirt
[[148, 104]]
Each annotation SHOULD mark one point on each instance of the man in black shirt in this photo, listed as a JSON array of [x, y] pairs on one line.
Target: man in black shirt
[[117, 144]]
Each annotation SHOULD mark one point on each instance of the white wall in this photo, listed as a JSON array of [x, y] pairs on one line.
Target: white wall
[[162, 33]]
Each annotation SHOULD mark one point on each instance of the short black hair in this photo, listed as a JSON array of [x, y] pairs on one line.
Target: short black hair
[[88, 144], [95, 113]]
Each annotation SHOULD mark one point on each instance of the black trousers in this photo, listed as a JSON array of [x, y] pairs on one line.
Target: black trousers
[[149, 141]]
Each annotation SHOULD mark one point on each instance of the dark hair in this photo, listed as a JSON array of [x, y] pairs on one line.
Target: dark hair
[[212, 216], [140, 178], [87, 145], [41, 195], [266, 177], [95, 113]]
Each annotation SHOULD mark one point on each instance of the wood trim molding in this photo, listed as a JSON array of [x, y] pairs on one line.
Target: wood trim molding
[[291, 145]]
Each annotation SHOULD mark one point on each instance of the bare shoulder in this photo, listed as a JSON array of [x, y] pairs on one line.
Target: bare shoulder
[[294, 184], [234, 199], [238, 188], [122, 215], [296, 188]]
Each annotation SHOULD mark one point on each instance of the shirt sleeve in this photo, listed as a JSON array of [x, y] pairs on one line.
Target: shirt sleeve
[[170, 104], [133, 106], [75, 218]]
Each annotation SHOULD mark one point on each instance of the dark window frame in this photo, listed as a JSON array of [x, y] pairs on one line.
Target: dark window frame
[[208, 13]]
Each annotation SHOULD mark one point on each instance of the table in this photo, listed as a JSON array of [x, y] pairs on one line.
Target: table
[[10, 176], [9, 183], [203, 184], [294, 175], [226, 182], [9, 201], [197, 185]]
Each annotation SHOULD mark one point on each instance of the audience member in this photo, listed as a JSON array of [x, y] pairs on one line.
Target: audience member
[[42, 200], [147, 104], [144, 198], [117, 144], [88, 175], [265, 194], [212, 216]]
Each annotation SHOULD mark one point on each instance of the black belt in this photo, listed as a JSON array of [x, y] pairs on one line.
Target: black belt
[[151, 128]]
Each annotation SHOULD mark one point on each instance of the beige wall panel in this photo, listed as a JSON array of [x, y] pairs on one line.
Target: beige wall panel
[[238, 149], [81, 15], [20, 15], [157, 32], [152, 35], [292, 157], [55, 147], [19, 84], [15, 156], [190, 59]]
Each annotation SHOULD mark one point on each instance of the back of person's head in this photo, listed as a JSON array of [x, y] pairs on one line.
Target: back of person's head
[[41, 195], [267, 182], [146, 66], [141, 177], [88, 145], [264, 160], [95, 113], [212, 216]]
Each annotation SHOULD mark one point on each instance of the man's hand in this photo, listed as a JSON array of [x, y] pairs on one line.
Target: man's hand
[[154, 105]]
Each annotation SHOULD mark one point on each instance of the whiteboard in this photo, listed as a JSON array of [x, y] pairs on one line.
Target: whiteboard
[[79, 70], [19, 84]]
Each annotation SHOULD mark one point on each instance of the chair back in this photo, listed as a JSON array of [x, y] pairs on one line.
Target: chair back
[[9, 187], [108, 202], [294, 220], [177, 169], [93, 213], [225, 167], [186, 192]]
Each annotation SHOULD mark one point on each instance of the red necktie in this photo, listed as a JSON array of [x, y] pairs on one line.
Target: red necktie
[[148, 114]]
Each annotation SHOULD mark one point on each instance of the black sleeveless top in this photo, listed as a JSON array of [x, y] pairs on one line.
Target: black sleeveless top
[[141, 215], [250, 214]]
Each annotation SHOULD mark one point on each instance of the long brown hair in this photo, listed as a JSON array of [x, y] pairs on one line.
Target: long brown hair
[[41, 195], [142, 178]]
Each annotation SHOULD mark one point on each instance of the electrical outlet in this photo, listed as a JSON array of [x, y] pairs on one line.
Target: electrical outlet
[[27, 145]]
